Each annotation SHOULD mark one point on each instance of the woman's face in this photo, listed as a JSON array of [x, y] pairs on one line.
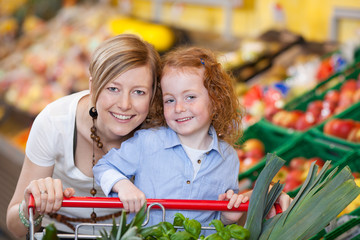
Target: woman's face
[[124, 103]]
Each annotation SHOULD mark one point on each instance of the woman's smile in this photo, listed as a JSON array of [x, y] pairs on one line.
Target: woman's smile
[[122, 117]]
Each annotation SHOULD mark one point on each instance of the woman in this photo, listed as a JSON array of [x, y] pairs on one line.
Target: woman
[[70, 135]]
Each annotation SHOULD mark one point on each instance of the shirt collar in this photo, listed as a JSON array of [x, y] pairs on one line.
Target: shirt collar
[[173, 140], [216, 142]]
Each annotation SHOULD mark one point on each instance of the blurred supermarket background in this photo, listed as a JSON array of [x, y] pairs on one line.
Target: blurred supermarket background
[[292, 62]]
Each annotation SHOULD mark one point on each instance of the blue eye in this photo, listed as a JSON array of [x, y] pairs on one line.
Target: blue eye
[[169, 101], [139, 92], [112, 89], [190, 97]]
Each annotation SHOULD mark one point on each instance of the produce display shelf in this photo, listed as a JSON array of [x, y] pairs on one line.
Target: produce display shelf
[[308, 147], [305, 146], [318, 92], [271, 137], [333, 83], [351, 113]]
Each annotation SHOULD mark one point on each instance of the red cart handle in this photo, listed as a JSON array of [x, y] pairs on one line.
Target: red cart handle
[[181, 204], [31, 204], [277, 208]]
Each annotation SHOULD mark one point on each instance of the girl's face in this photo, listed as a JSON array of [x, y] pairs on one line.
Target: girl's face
[[186, 101], [124, 103]]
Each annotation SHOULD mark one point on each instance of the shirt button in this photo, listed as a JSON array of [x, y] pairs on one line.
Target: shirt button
[[207, 153], [188, 181], [199, 161]]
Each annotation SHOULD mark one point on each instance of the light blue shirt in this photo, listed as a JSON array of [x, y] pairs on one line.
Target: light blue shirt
[[162, 170]]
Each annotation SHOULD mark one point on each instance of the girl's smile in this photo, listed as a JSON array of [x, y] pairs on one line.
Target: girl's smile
[[184, 119]]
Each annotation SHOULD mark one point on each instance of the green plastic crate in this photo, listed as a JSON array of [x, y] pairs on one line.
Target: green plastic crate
[[339, 156], [268, 134], [281, 130], [357, 54], [301, 102], [318, 92], [333, 83], [303, 146], [272, 139], [351, 113]]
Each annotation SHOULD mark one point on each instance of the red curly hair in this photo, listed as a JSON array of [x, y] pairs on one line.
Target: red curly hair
[[226, 110]]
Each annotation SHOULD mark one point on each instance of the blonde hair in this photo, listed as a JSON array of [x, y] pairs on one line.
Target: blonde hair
[[226, 111], [119, 54]]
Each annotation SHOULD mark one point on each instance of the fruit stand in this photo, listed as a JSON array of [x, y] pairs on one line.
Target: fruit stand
[[332, 138]]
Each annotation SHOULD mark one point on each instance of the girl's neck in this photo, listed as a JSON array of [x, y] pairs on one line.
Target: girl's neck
[[197, 141]]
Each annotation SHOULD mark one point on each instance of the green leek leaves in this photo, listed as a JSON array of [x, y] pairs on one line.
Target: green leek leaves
[[321, 198]]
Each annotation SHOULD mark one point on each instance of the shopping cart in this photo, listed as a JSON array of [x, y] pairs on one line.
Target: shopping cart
[[103, 202]]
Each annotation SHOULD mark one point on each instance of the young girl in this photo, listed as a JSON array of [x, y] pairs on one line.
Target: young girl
[[189, 158]]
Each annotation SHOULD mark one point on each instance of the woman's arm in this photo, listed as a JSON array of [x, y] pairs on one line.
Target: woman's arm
[[47, 192]]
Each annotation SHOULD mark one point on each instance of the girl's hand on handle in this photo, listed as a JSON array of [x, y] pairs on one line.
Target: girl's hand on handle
[[284, 201], [234, 201], [131, 197], [48, 194]]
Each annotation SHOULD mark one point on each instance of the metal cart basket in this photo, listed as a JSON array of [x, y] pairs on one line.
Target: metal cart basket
[[103, 202]]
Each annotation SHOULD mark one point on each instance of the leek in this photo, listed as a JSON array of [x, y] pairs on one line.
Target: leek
[[321, 198], [259, 198]]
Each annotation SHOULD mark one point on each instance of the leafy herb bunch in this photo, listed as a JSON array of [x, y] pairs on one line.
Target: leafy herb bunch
[[192, 230], [167, 231]]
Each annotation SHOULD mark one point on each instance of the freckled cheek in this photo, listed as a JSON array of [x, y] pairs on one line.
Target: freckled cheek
[[167, 113]]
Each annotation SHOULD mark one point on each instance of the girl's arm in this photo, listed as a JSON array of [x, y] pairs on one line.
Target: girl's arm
[[47, 192], [114, 166], [112, 173], [132, 198]]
